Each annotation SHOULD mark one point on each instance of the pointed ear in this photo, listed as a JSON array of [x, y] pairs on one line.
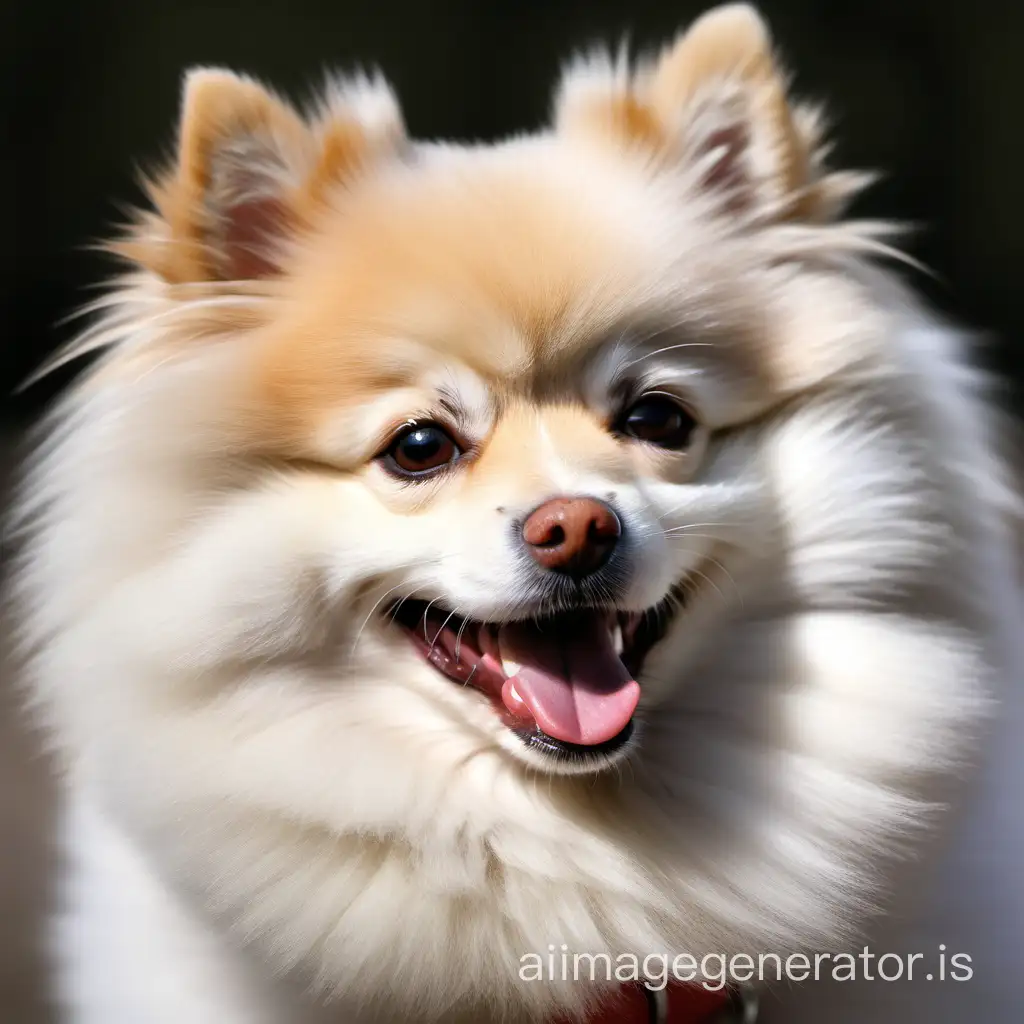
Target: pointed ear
[[250, 173], [714, 103]]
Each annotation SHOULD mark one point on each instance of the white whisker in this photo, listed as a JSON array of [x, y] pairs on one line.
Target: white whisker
[[366, 621], [669, 348], [694, 526], [728, 575], [426, 612], [438, 633], [702, 536], [458, 641]]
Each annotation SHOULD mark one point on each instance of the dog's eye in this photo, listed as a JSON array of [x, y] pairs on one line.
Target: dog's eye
[[660, 420], [421, 449]]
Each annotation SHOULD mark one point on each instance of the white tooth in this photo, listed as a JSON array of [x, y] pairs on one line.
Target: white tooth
[[617, 639], [510, 668], [515, 693]]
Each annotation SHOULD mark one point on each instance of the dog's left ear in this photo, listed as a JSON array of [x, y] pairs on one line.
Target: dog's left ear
[[714, 103], [251, 171]]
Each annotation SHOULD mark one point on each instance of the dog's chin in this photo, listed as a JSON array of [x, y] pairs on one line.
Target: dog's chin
[[562, 688]]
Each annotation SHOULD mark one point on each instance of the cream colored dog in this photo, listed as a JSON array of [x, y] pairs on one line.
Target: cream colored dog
[[460, 551]]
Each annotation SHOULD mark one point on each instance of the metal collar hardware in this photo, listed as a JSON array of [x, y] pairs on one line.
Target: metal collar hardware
[[742, 1007]]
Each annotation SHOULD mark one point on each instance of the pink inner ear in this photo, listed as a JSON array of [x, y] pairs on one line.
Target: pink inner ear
[[252, 231], [728, 173]]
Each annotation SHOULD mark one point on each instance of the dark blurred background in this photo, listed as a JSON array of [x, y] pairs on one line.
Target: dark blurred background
[[929, 91]]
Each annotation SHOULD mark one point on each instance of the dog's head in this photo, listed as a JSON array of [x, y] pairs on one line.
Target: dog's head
[[519, 385]]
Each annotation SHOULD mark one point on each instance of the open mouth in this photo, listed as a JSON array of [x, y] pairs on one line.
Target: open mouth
[[565, 684]]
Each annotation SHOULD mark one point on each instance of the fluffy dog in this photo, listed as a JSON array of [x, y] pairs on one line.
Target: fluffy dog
[[459, 551]]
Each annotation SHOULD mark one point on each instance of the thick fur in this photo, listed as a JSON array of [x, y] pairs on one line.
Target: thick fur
[[276, 811]]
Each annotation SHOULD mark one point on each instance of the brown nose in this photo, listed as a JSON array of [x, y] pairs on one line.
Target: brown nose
[[574, 536]]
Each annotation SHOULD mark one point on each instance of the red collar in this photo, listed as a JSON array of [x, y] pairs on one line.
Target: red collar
[[677, 1004]]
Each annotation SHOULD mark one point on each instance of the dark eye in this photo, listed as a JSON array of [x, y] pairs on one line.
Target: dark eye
[[660, 420], [421, 449]]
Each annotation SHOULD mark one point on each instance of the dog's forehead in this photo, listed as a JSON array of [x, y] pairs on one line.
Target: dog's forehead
[[488, 260], [523, 273]]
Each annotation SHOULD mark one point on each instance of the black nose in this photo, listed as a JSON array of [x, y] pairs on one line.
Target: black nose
[[572, 536]]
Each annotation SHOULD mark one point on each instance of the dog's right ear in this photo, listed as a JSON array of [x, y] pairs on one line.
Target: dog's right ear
[[251, 172]]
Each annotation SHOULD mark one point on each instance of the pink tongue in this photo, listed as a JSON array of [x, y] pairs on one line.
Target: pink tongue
[[571, 679]]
